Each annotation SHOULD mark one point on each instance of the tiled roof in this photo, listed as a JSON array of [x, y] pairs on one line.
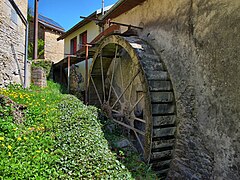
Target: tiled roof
[[50, 23], [47, 22]]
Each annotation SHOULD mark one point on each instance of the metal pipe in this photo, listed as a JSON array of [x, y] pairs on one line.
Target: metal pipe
[[25, 22], [86, 74], [35, 43], [127, 25], [68, 74], [26, 56], [102, 7]]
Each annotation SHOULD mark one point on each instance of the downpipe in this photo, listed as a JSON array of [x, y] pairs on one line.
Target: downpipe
[[25, 22]]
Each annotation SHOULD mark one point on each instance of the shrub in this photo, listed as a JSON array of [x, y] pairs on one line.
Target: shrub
[[61, 138], [45, 64]]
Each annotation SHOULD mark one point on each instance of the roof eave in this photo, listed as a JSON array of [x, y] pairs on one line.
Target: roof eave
[[50, 26], [77, 26], [120, 4]]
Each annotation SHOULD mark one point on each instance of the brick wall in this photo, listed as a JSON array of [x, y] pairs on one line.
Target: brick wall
[[12, 43]]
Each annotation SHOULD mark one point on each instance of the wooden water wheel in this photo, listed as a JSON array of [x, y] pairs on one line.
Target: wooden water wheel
[[128, 81]]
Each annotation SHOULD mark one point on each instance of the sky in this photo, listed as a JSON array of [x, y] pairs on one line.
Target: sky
[[67, 12]]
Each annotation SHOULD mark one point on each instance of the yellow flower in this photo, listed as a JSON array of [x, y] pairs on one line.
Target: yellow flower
[[9, 154], [19, 138], [14, 129], [9, 147], [1, 138], [38, 151]]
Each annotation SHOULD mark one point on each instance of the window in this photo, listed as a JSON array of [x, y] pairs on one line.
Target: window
[[82, 39], [73, 46]]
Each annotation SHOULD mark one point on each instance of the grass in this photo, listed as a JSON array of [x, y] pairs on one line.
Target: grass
[[59, 138]]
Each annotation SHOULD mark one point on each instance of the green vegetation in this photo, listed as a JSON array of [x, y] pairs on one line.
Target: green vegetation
[[40, 53], [28, 149], [58, 138], [45, 64], [127, 155]]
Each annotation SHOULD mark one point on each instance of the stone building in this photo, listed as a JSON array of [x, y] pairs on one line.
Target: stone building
[[198, 42], [12, 42], [49, 31]]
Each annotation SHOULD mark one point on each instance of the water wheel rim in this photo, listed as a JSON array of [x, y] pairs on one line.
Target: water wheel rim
[[121, 42], [160, 100]]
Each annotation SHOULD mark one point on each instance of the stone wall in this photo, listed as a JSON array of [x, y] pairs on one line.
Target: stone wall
[[54, 50], [39, 77], [199, 43], [12, 42]]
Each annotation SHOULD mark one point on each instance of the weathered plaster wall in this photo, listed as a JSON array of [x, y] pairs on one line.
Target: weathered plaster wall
[[12, 42], [199, 43], [54, 50]]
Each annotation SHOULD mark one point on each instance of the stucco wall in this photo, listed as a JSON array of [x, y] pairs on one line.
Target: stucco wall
[[199, 43], [92, 31], [54, 50], [12, 42]]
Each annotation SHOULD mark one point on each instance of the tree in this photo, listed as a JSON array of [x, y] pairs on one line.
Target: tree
[[40, 49]]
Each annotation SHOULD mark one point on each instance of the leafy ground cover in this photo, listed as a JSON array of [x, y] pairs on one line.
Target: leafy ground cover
[[58, 138]]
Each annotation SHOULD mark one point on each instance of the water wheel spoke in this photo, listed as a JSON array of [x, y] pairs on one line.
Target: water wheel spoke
[[140, 142], [117, 114], [96, 90], [115, 111], [103, 83], [136, 103], [114, 90], [130, 93], [141, 120], [129, 127], [130, 82], [114, 62], [121, 72]]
